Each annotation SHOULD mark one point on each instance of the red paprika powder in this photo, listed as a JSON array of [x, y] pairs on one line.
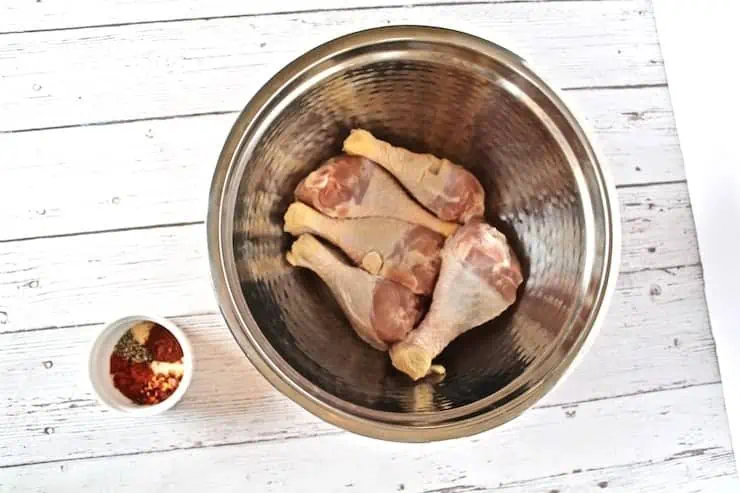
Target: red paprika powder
[[163, 345], [131, 366], [130, 378]]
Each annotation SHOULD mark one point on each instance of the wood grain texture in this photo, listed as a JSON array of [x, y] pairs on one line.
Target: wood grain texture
[[82, 279], [643, 412], [91, 278], [79, 76], [656, 338], [35, 16], [680, 431], [135, 174], [657, 227], [691, 471]]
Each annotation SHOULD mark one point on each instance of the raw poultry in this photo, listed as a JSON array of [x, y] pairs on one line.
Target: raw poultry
[[350, 201], [351, 186], [381, 311], [393, 249]]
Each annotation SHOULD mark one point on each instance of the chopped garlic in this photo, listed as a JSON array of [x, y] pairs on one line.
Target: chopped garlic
[[141, 330], [163, 368]]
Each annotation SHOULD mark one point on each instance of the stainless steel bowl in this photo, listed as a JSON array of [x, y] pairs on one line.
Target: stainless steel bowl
[[456, 96]]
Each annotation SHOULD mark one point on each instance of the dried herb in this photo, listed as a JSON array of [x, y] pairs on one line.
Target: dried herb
[[132, 366], [128, 348]]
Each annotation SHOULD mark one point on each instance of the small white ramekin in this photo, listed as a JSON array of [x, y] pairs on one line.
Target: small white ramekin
[[99, 366]]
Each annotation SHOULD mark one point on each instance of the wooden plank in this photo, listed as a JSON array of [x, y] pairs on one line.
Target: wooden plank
[[657, 337], [635, 130], [40, 15], [137, 174], [157, 172], [681, 431], [84, 279], [139, 71], [657, 225], [77, 279], [692, 471], [639, 349]]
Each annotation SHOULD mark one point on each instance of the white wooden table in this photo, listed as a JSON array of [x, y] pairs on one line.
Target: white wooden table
[[112, 115]]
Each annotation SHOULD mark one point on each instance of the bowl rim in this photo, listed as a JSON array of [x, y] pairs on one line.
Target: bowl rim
[[220, 221], [98, 369]]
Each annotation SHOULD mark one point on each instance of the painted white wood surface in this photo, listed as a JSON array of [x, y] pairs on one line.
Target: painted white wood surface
[[155, 174], [78, 279], [643, 412], [47, 15], [230, 403], [692, 456], [69, 77]]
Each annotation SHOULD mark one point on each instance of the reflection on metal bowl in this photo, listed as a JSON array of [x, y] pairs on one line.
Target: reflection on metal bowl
[[459, 97]]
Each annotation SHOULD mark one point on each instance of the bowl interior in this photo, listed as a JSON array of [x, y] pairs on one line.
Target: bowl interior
[[543, 189]]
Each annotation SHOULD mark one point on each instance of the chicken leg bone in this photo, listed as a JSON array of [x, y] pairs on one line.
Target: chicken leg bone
[[478, 280], [393, 249], [445, 188], [380, 311], [352, 186]]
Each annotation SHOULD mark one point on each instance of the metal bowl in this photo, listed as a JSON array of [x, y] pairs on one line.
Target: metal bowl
[[456, 96]]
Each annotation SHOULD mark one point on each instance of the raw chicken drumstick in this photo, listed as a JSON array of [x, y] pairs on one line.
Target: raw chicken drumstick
[[478, 280], [351, 186], [402, 252], [445, 188], [381, 311]]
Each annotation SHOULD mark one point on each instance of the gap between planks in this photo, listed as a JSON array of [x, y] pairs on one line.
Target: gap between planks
[[650, 474], [332, 430], [684, 441], [665, 269], [161, 174], [120, 122], [358, 8], [573, 89], [593, 479], [582, 44], [103, 231], [666, 348], [627, 186], [168, 225], [166, 268], [195, 223]]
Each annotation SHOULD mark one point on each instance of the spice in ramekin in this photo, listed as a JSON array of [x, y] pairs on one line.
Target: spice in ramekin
[[146, 364]]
